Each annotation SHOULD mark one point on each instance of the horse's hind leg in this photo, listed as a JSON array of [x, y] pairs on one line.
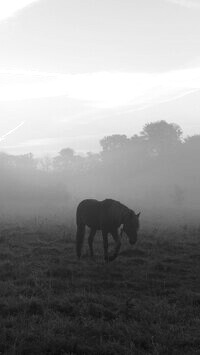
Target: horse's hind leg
[[105, 245], [90, 241], [79, 239]]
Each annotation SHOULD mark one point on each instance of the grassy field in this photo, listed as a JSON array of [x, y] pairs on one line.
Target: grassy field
[[145, 302]]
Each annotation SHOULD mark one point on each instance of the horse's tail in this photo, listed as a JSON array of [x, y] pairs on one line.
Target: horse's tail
[[79, 239]]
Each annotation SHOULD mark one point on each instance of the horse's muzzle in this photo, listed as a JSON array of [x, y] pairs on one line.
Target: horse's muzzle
[[132, 241]]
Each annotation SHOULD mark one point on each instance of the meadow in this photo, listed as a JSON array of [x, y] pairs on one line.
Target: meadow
[[147, 301]]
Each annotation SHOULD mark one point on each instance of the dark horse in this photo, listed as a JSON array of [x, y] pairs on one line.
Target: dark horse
[[107, 215]]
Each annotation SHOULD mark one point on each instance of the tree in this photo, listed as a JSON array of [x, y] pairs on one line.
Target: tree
[[162, 136], [192, 144], [64, 159], [67, 154], [45, 163], [191, 148], [116, 141]]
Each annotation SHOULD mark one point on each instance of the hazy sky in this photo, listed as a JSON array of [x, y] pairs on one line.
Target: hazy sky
[[73, 71]]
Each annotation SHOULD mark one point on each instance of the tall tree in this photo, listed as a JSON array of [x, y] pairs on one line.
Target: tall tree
[[162, 136], [116, 141]]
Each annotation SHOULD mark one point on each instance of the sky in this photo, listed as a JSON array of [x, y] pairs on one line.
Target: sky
[[74, 71]]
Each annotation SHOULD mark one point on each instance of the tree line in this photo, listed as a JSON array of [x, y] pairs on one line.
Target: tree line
[[156, 168]]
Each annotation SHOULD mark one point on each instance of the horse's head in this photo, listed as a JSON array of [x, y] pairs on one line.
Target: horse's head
[[131, 226]]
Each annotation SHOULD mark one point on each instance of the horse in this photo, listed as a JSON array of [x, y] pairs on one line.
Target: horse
[[108, 216]]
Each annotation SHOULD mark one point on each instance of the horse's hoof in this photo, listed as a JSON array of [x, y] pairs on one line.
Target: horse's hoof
[[112, 257]]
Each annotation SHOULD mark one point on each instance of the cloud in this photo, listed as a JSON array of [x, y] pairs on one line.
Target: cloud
[[101, 90], [190, 4], [9, 8], [53, 145], [11, 131]]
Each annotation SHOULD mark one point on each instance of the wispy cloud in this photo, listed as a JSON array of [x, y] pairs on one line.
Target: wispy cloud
[[54, 145], [186, 3], [9, 8], [102, 90], [11, 131]]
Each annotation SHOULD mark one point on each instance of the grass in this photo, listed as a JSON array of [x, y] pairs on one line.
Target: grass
[[147, 301]]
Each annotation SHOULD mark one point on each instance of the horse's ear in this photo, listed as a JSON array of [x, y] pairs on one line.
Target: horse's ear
[[138, 215]]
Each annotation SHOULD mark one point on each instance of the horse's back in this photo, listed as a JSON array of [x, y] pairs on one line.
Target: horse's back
[[88, 213], [100, 214], [114, 212]]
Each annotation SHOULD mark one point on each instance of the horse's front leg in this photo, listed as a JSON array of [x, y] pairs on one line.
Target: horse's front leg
[[90, 241], [117, 239]]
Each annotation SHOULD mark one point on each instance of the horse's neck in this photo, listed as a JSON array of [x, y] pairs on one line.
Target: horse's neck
[[122, 212]]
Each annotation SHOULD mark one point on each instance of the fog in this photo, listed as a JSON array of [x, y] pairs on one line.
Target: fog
[[156, 172]]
